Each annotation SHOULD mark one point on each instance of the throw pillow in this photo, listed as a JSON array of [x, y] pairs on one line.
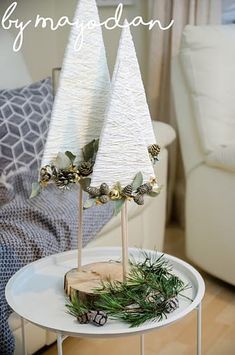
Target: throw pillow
[[24, 121]]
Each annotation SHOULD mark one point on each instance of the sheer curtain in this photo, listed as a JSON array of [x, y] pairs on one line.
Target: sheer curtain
[[163, 46]]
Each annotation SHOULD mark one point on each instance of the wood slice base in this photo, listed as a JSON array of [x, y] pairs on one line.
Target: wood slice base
[[82, 284]]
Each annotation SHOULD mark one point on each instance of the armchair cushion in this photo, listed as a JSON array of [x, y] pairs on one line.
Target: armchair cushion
[[207, 58], [223, 158]]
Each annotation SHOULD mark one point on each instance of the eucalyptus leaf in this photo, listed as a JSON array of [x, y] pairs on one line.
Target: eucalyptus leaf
[[71, 156], [62, 161], [89, 203], [88, 151], [36, 188], [138, 181], [118, 206], [96, 145], [153, 193], [85, 183]]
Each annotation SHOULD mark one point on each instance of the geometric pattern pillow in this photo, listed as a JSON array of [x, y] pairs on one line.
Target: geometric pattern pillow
[[24, 121]]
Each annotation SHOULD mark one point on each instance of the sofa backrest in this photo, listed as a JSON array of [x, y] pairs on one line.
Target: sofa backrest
[[207, 58], [13, 71]]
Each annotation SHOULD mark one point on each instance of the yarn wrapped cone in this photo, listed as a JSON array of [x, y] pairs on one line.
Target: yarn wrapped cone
[[82, 95], [123, 143]]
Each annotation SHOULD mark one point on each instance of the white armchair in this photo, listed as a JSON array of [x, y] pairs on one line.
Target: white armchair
[[203, 81]]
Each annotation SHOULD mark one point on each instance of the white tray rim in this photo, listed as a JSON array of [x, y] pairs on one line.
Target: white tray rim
[[199, 285]]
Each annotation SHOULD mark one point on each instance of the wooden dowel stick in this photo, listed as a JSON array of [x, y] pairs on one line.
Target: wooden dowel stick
[[80, 229], [124, 221]]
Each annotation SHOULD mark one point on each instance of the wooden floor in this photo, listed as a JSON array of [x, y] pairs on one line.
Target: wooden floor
[[177, 339]]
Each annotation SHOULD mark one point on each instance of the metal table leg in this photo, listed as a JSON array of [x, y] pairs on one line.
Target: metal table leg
[[199, 329], [24, 346], [142, 344], [59, 344]]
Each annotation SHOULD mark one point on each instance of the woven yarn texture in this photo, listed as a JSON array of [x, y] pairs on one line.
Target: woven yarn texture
[[127, 127], [81, 99]]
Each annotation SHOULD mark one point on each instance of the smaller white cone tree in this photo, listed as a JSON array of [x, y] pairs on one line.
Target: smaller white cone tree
[[123, 150], [82, 96]]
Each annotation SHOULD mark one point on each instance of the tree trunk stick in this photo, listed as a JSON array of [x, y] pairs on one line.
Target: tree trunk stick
[[124, 221], [80, 229]]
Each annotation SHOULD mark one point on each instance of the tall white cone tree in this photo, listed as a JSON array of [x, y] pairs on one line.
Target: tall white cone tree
[[82, 96], [127, 128], [127, 52]]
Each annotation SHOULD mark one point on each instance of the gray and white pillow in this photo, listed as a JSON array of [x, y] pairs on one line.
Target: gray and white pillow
[[24, 121]]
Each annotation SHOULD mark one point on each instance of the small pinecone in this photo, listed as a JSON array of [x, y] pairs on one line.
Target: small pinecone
[[98, 318], [154, 150], [93, 191], [84, 318], [54, 171], [104, 199], [127, 191], [144, 189], [104, 189], [85, 168], [139, 199], [171, 305], [62, 180], [45, 174]]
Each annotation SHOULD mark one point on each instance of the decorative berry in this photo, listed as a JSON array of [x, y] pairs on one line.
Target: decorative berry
[[127, 191], [154, 150], [98, 318], [144, 189], [93, 191], [104, 189], [86, 168], [84, 318], [114, 194], [171, 305], [139, 199], [104, 199]]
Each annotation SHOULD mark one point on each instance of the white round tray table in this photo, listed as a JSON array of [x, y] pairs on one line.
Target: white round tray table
[[36, 293]]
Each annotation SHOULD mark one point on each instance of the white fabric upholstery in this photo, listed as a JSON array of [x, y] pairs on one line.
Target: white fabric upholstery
[[207, 56], [223, 157], [207, 143]]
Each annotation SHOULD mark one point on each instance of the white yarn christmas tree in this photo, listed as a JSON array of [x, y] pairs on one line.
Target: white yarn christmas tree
[[127, 128], [81, 99], [127, 52]]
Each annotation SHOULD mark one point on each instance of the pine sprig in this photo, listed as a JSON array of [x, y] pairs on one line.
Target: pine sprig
[[149, 293], [75, 307]]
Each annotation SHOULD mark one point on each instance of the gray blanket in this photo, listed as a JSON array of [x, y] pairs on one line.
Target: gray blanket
[[32, 229]]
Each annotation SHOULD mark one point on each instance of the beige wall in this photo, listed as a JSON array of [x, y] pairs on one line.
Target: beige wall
[[44, 49]]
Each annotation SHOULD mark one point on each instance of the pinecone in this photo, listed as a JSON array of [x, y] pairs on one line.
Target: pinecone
[[104, 199], [104, 189], [86, 168], [64, 178], [144, 189], [45, 173], [139, 199], [127, 191], [171, 305], [93, 191], [154, 150], [98, 318], [84, 318]]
